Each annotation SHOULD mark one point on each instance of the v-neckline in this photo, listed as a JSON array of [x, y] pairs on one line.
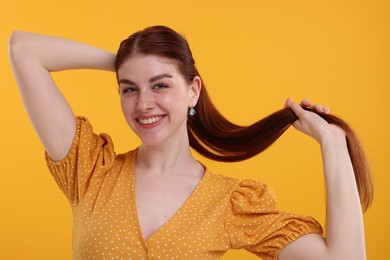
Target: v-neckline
[[174, 216]]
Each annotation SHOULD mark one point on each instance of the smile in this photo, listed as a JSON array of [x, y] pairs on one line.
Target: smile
[[151, 120]]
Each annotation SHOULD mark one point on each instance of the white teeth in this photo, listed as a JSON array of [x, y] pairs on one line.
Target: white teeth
[[146, 121]]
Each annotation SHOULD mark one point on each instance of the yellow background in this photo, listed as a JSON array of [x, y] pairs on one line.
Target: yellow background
[[252, 55]]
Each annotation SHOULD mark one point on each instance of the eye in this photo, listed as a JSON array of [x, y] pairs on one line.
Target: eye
[[128, 90], [160, 86]]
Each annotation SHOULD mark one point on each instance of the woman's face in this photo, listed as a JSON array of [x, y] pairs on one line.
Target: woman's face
[[155, 98]]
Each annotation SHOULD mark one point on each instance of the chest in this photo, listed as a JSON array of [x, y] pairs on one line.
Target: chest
[[106, 222], [158, 199]]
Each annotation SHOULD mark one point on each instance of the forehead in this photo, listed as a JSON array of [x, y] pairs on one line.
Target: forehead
[[141, 67]]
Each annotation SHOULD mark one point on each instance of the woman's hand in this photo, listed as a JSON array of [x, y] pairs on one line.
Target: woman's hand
[[344, 228], [312, 124]]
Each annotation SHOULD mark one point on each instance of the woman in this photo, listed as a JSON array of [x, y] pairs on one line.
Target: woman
[[158, 201]]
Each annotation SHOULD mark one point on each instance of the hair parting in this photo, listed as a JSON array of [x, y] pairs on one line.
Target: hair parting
[[215, 137]]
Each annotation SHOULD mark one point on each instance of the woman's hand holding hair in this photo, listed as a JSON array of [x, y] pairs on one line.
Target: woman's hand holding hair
[[312, 124], [345, 229]]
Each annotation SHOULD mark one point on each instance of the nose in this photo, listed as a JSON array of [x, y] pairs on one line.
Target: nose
[[145, 101]]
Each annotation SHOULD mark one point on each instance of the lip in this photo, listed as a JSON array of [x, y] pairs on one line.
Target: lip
[[149, 121]]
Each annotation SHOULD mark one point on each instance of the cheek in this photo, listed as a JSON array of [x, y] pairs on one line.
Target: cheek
[[176, 104], [122, 105], [180, 97], [126, 106]]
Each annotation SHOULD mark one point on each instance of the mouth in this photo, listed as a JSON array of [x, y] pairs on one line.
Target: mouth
[[149, 120]]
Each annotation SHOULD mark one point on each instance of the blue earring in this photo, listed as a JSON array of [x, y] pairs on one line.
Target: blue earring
[[192, 111]]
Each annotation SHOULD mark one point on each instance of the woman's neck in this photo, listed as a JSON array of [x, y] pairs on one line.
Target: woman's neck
[[167, 159]]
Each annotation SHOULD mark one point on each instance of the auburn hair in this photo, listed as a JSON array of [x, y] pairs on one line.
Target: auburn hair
[[215, 137]]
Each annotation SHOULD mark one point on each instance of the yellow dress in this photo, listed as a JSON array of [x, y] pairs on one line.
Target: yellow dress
[[222, 213]]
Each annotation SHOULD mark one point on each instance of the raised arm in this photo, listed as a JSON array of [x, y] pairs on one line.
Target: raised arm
[[33, 57], [345, 229]]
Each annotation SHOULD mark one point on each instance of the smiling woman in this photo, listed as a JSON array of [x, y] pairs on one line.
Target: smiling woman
[[155, 97], [158, 201]]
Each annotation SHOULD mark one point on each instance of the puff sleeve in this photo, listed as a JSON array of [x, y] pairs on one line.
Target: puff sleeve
[[254, 223], [89, 158]]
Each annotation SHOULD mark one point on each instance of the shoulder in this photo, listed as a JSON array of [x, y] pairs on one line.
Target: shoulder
[[219, 179], [88, 137], [240, 190], [236, 182]]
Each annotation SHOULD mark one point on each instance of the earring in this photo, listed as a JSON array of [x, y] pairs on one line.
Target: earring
[[192, 111]]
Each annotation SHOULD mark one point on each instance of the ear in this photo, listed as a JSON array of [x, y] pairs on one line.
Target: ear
[[194, 91]]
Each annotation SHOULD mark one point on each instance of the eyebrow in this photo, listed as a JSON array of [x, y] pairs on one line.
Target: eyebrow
[[158, 77], [151, 80]]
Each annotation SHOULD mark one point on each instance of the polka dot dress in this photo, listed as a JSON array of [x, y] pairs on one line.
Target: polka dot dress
[[221, 214]]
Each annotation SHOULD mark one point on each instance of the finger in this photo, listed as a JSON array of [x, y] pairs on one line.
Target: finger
[[306, 103], [326, 110], [319, 108], [297, 109], [287, 103]]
